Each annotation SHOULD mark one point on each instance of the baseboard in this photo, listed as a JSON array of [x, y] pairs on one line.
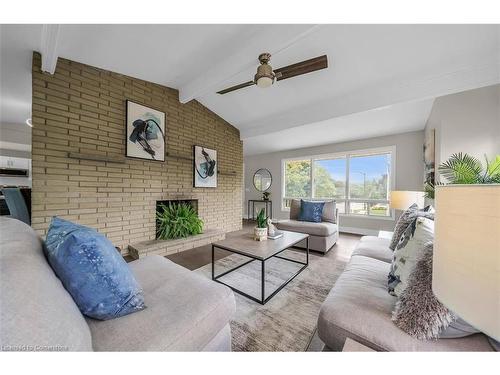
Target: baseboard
[[362, 231]]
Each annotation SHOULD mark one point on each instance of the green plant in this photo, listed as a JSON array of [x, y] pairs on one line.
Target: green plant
[[177, 221], [465, 169], [261, 219]]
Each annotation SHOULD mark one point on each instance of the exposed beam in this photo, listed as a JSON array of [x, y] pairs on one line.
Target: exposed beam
[[221, 73], [48, 48]]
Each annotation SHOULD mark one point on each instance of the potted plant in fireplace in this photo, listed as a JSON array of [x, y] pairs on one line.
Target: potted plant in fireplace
[[178, 220], [260, 231]]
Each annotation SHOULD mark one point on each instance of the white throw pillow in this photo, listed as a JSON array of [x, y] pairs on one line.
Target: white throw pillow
[[409, 250]]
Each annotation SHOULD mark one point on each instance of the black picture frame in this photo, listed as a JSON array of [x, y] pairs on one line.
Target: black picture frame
[[270, 176], [208, 179], [129, 152]]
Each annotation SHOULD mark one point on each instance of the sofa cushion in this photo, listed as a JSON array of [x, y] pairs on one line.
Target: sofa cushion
[[359, 307], [323, 229], [185, 311], [36, 312], [374, 247], [93, 272]]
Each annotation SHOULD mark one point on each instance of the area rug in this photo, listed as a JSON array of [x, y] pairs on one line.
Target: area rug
[[288, 321]]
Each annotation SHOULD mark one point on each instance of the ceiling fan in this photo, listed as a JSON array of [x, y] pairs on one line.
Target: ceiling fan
[[266, 76]]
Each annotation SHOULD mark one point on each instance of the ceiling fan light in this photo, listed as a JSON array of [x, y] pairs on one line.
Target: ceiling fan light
[[265, 76], [264, 82]]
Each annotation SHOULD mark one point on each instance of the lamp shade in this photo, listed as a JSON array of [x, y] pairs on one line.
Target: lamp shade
[[402, 199], [466, 260]]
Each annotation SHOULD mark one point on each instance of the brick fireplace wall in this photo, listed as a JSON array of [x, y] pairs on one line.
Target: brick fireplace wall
[[81, 109]]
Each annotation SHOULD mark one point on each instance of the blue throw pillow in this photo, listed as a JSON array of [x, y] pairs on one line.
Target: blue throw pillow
[[93, 272], [311, 211]]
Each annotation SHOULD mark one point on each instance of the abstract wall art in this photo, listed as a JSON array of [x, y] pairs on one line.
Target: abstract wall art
[[145, 132], [205, 167]]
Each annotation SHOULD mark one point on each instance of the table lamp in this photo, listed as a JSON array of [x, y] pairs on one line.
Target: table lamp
[[402, 199], [466, 259]]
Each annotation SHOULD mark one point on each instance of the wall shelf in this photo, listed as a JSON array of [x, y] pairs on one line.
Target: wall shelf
[[179, 157], [104, 158], [233, 173]]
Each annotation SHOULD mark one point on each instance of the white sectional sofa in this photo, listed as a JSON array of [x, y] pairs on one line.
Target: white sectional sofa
[[359, 307], [185, 311]]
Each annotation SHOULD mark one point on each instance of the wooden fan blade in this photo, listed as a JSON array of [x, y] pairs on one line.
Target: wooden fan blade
[[237, 87], [303, 67]]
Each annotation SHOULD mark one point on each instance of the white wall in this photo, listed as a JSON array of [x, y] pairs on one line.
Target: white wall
[[467, 122], [409, 173]]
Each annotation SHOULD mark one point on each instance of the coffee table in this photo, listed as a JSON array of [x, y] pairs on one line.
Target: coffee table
[[260, 251]]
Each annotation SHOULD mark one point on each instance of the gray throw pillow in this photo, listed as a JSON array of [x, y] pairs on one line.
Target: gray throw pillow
[[294, 209], [329, 212], [419, 313]]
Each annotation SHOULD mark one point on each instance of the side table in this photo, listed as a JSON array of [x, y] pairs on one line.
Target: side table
[[266, 203]]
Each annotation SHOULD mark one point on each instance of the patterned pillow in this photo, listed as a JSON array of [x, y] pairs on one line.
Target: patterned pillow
[[311, 211], [408, 251], [92, 271], [404, 220]]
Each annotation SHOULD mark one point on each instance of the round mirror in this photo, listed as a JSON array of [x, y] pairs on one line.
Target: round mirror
[[262, 179]]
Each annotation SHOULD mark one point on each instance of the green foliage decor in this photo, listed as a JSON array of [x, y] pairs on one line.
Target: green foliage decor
[[465, 169], [261, 219], [177, 221], [298, 183]]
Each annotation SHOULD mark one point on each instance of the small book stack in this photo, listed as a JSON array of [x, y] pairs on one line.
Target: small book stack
[[277, 234]]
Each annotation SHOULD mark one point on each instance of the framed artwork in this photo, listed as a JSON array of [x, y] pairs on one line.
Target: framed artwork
[[430, 156], [145, 132], [205, 167]]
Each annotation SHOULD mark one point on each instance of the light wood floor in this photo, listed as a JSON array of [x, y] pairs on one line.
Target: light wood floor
[[201, 256]]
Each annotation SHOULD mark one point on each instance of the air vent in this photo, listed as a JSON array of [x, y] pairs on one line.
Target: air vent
[[12, 172]]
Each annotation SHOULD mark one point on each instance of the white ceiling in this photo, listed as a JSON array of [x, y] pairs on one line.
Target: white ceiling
[[399, 118], [370, 66]]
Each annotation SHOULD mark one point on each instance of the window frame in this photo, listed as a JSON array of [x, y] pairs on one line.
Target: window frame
[[347, 200]]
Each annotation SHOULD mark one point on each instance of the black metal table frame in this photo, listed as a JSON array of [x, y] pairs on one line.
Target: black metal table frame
[[266, 202], [263, 299]]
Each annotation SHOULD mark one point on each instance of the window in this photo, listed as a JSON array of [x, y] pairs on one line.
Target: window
[[298, 178], [359, 181]]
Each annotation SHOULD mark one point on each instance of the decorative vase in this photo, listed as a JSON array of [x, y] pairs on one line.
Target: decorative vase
[[260, 234]]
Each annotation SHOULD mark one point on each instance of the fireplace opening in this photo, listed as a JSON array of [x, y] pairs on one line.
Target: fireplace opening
[[192, 202]]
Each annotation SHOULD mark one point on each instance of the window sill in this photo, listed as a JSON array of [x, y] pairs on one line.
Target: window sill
[[388, 218]]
